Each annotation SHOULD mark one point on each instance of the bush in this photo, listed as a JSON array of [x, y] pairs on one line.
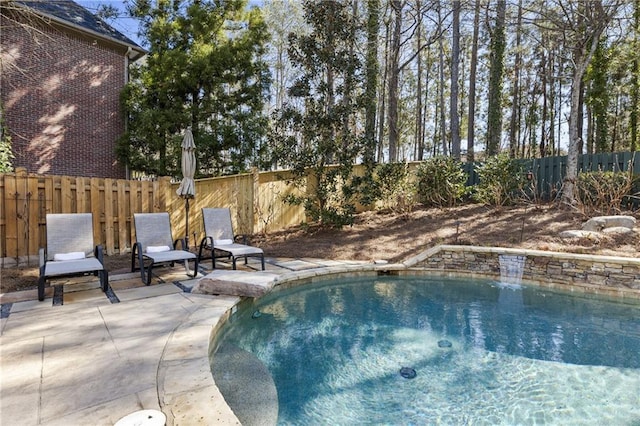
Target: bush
[[605, 192], [441, 182], [395, 187], [501, 181]]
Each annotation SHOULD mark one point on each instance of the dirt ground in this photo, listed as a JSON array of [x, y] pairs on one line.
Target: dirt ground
[[393, 237]]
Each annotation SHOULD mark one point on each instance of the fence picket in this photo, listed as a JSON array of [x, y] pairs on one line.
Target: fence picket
[[108, 217], [123, 202], [11, 218]]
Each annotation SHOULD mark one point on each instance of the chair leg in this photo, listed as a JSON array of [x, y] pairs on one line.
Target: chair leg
[[41, 288], [234, 262], [148, 280], [262, 259], [104, 280], [195, 268]]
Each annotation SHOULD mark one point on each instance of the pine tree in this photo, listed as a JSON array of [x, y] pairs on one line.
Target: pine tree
[[204, 70]]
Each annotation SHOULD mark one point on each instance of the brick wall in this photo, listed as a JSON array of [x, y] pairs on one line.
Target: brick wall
[[60, 96]]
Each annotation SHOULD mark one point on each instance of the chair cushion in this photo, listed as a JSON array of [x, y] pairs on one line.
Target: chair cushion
[[74, 255], [170, 256], [157, 249], [68, 267], [240, 249]]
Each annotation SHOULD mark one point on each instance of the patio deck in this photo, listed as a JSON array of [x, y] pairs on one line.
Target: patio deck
[[86, 357]]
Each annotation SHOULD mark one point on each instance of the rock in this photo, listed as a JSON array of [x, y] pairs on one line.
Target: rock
[[580, 234], [599, 223], [617, 230], [235, 283]]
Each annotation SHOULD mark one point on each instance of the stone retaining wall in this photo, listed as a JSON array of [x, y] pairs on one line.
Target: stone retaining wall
[[618, 276]]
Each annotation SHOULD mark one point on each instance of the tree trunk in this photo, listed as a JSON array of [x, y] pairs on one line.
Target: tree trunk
[[443, 127], [383, 94], [472, 83], [394, 70], [515, 91], [585, 46], [545, 106], [455, 59], [494, 111], [371, 85], [419, 142], [635, 78], [568, 196]]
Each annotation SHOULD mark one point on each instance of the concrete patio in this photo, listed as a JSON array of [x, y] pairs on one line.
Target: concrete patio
[[84, 357]]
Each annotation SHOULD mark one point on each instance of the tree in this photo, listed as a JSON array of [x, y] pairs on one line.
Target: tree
[[598, 99], [282, 17], [472, 82], [581, 25], [515, 89], [635, 82], [369, 98], [312, 137], [497, 52], [455, 60], [204, 70], [394, 72]]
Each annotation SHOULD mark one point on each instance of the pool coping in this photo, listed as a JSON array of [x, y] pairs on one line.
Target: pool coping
[[183, 405]]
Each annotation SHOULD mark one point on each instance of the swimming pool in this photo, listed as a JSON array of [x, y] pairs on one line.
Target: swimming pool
[[482, 352]]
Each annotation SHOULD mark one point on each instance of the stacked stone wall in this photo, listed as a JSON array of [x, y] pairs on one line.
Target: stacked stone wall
[[597, 273]]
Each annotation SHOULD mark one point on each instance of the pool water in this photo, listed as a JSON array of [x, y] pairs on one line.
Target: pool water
[[483, 353]]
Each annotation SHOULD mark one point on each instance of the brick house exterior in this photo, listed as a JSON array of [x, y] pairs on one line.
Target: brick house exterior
[[62, 74]]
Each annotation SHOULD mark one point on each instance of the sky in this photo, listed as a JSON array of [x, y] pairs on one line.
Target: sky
[[126, 25]]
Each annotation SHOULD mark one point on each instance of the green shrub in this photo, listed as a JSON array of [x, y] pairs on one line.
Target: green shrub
[[441, 182], [605, 192], [395, 187], [6, 154], [501, 181]]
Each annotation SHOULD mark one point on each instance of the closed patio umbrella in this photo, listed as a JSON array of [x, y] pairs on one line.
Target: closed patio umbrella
[[187, 188]]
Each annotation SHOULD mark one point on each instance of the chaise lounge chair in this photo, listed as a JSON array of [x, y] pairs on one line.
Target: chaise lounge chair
[[154, 242], [70, 250], [219, 238]]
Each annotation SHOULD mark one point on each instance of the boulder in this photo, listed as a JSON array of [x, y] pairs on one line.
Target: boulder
[[580, 233], [617, 230], [235, 283], [599, 223]]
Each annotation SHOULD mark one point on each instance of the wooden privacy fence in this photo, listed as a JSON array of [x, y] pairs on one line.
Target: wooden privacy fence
[[255, 200], [25, 200]]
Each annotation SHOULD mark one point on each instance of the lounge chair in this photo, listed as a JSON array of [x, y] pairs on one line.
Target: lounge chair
[[221, 241], [70, 250], [154, 243]]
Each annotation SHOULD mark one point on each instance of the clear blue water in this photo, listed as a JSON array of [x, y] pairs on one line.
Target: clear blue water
[[483, 353]]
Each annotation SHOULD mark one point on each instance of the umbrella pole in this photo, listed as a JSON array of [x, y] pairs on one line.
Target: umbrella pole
[[186, 238]]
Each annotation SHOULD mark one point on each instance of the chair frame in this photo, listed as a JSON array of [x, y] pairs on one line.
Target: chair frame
[[138, 251], [218, 252], [82, 224]]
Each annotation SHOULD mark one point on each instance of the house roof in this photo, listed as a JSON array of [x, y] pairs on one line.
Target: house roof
[[70, 13]]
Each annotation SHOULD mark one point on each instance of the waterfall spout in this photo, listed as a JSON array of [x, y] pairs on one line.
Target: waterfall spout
[[511, 268]]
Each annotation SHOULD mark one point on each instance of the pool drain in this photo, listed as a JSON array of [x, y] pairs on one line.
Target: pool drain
[[444, 344], [408, 372]]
